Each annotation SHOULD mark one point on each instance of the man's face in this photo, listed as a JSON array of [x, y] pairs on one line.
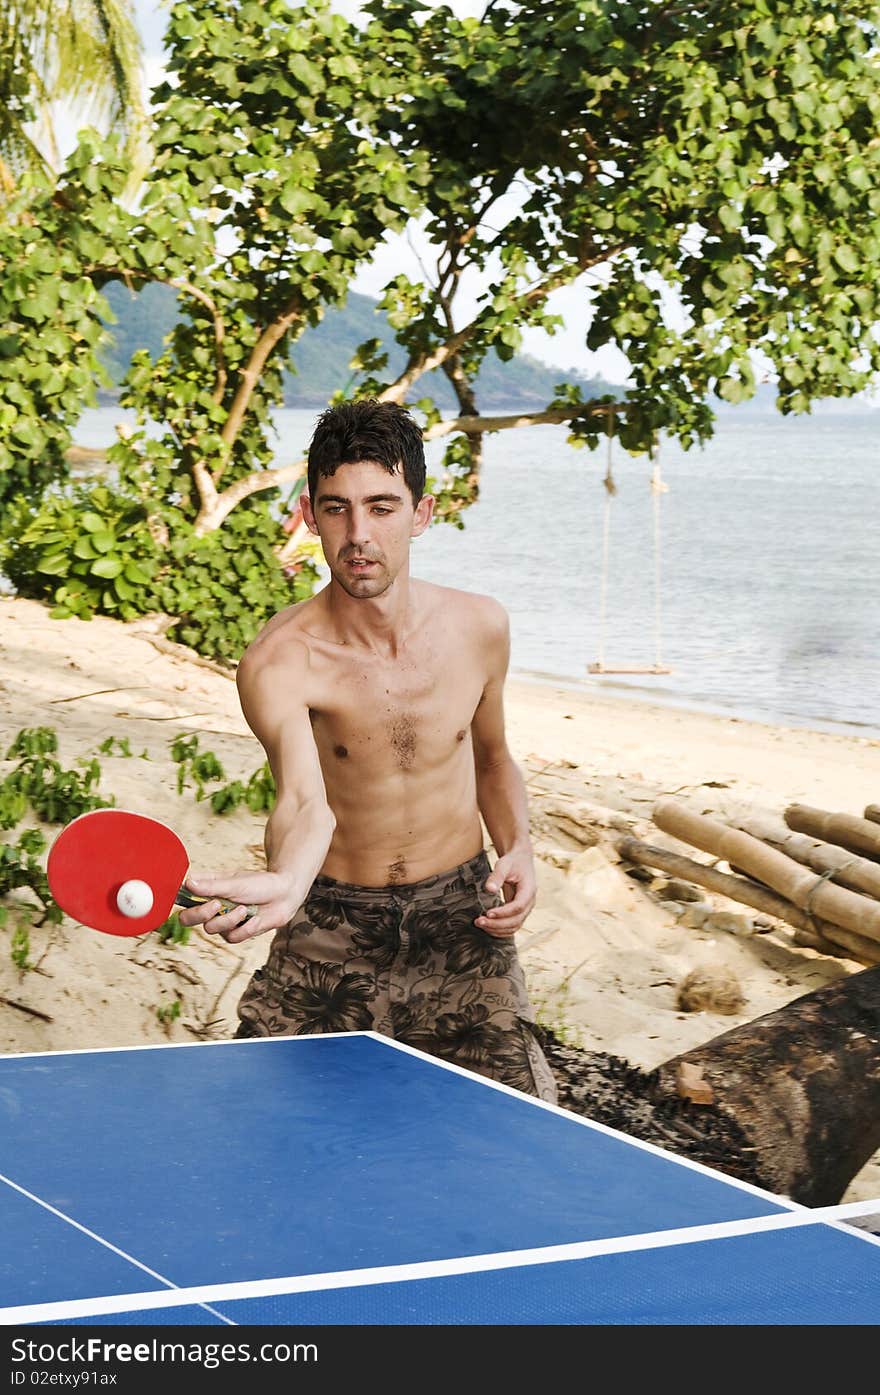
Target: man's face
[[365, 519]]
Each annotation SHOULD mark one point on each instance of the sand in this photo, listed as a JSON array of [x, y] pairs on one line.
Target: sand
[[604, 953]]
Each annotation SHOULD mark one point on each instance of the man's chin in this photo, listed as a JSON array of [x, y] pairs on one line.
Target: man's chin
[[364, 588]]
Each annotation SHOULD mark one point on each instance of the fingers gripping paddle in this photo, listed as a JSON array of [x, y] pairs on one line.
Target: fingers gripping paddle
[[119, 872]]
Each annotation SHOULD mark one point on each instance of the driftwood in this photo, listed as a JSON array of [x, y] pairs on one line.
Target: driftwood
[[803, 1084], [817, 933], [813, 894], [85, 455], [791, 1100], [23, 1007], [847, 830], [872, 813], [848, 868]]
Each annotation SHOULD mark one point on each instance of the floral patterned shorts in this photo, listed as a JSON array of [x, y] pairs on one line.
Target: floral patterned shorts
[[409, 962]]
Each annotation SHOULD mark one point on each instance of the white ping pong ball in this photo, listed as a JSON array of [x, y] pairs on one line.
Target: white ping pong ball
[[134, 899]]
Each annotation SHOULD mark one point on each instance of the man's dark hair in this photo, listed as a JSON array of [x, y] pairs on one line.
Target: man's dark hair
[[368, 430]]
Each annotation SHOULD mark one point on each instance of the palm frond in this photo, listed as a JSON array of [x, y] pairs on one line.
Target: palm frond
[[68, 61]]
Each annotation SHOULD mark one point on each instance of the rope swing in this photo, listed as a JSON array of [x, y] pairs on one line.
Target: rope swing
[[658, 487]]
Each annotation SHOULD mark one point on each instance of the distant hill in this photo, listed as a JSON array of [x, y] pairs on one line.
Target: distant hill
[[321, 357]]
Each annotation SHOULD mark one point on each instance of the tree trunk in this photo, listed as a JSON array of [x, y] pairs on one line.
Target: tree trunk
[[803, 1085]]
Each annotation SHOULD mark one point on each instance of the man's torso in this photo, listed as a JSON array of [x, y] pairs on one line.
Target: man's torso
[[393, 737]]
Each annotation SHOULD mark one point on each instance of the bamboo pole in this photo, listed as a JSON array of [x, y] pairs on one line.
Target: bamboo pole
[[847, 830], [813, 894], [818, 934], [845, 945], [848, 868]]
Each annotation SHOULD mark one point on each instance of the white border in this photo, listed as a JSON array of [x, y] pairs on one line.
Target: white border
[[174, 1045], [203, 1294], [99, 1239]]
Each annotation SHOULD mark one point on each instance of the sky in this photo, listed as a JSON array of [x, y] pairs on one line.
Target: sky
[[566, 349]]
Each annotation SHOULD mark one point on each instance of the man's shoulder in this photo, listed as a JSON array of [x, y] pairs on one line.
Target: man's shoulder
[[478, 608], [281, 640]]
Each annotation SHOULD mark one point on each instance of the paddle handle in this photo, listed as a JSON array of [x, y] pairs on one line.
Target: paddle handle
[[185, 899]]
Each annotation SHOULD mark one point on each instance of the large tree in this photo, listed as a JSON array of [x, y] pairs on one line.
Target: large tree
[[706, 177]]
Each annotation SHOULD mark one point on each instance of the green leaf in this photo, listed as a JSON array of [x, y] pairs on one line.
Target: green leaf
[[55, 564], [28, 431], [296, 200], [846, 257], [136, 574], [123, 588], [307, 73], [107, 567]]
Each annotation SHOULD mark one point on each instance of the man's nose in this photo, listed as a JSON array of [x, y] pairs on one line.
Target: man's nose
[[358, 531]]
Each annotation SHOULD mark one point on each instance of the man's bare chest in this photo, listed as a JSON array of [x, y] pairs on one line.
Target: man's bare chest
[[408, 713]]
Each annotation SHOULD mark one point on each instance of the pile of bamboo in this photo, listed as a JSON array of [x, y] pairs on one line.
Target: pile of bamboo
[[816, 870]]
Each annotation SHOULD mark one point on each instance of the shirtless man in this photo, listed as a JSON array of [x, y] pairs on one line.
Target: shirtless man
[[379, 705]]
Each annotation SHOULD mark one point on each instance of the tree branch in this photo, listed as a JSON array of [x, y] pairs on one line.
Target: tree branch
[[222, 504], [417, 367], [213, 513], [206, 487], [250, 374], [476, 425]]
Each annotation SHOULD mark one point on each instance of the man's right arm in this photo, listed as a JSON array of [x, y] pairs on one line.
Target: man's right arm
[[274, 701]]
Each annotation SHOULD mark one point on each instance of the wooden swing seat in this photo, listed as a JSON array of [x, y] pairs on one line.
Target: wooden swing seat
[[628, 668]]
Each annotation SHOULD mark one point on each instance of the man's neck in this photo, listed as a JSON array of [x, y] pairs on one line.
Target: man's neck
[[380, 624]]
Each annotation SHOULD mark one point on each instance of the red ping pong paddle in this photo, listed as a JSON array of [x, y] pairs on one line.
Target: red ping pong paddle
[[108, 859]]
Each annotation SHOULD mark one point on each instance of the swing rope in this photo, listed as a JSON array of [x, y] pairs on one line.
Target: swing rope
[[610, 491], [658, 487]]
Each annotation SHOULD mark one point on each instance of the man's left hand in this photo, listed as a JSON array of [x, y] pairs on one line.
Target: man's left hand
[[514, 876]]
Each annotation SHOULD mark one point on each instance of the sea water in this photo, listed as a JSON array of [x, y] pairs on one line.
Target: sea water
[[754, 575]]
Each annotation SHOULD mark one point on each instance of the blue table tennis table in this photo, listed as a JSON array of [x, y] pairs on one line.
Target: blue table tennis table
[[349, 1180]]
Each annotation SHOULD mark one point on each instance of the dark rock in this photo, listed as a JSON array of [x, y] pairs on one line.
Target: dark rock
[[677, 890], [637, 872]]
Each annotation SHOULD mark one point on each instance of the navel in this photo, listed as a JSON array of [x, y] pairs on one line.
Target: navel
[[397, 872], [340, 751]]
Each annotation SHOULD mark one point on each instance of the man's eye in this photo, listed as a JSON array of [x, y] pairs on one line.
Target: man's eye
[[381, 510]]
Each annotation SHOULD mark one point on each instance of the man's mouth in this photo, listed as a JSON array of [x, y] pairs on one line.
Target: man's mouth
[[359, 564]]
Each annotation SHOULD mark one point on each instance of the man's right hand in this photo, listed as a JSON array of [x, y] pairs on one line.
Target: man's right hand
[[263, 901]]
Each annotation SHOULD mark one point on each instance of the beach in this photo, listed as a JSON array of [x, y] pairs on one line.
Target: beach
[[604, 951]]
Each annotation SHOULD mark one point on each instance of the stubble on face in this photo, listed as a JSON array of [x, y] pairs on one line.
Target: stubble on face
[[375, 580]]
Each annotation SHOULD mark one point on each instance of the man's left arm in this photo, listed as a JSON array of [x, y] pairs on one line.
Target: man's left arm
[[501, 793]]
